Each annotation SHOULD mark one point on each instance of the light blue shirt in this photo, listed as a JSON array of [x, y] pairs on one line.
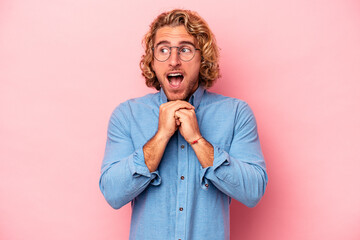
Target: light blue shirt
[[182, 200]]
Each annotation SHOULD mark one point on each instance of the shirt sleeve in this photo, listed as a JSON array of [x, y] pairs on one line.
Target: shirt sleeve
[[239, 173], [124, 174]]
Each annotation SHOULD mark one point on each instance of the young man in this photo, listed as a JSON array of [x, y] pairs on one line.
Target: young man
[[180, 155]]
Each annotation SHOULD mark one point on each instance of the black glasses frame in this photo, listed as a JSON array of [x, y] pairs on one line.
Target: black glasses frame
[[178, 52]]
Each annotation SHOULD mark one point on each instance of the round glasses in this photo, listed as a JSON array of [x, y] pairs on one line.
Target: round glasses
[[186, 52]]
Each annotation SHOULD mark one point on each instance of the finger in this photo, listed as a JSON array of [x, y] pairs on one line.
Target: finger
[[177, 115], [178, 104], [186, 112], [181, 115], [182, 104], [171, 107]]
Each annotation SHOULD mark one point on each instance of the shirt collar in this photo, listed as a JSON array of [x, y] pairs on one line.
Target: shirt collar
[[194, 100]]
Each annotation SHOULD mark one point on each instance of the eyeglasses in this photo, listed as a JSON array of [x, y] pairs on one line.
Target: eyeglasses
[[186, 52]]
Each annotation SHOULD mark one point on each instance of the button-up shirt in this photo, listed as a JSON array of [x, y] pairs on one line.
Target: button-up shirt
[[181, 199]]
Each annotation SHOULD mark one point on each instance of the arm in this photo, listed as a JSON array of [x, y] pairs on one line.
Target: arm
[[189, 129], [239, 173], [124, 173], [127, 171]]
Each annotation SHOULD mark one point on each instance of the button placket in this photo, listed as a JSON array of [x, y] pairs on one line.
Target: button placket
[[183, 160]]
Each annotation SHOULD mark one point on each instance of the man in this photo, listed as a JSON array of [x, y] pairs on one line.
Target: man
[[181, 154]]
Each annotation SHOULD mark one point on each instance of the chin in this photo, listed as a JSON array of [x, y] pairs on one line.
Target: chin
[[179, 94], [174, 97]]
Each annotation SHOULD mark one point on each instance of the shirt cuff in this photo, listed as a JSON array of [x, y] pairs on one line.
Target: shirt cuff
[[138, 168], [221, 158]]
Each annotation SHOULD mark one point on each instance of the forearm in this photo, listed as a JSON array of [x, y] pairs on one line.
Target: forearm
[[204, 152], [121, 181], [239, 169], [154, 150], [124, 173], [242, 180], [155, 147]]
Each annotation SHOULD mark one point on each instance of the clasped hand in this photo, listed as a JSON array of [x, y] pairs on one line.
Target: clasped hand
[[178, 115]]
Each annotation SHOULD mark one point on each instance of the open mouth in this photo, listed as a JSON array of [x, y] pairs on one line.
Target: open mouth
[[175, 79]]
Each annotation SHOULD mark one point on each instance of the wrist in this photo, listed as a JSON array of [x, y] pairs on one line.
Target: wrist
[[196, 140], [162, 136]]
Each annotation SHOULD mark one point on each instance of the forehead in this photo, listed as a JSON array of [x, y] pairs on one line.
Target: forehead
[[173, 35]]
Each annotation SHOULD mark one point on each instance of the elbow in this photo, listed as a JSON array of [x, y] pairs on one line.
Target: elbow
[[112, 195], [252, 202], [114, 202], [250, 198], [254, 196]]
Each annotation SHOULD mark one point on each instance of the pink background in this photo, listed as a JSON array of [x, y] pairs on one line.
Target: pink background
[[65, 65]]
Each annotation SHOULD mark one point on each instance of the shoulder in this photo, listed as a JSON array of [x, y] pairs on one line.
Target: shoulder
[[219, 100], [135, 106], [227, 106], [149, 100]]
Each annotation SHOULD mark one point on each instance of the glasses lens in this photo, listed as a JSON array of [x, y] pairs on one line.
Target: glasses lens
[[162, 53], [186, 52]]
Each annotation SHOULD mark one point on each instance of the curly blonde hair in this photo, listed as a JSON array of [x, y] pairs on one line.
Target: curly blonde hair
[[195, 26]]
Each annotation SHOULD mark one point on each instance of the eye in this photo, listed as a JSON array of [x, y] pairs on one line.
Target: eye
[[163, 50], [185, 49]]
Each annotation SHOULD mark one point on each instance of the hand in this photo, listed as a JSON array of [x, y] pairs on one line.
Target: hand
[[167, 121], [188, 125]]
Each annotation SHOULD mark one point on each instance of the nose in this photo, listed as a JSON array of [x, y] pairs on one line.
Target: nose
[[174, 59]]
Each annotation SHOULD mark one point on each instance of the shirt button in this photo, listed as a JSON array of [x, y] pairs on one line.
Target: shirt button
[[181, 209], [182, 177], [182, 146]]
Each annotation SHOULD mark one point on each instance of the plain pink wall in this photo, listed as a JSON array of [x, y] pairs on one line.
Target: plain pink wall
[[65, 65]]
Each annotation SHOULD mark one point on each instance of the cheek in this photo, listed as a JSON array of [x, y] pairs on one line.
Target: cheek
[[197, 64], [156, 68], [153, 66], [195, 68]]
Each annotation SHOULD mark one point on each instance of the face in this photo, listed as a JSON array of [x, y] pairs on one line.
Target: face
[[178, 79]]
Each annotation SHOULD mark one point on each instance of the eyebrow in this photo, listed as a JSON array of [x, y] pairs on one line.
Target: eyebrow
[[181, 43]]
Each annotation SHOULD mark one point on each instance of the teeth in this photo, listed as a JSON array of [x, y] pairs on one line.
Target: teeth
[[175, 75]]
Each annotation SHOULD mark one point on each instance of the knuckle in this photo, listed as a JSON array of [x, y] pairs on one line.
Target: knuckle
[[163, 107]]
